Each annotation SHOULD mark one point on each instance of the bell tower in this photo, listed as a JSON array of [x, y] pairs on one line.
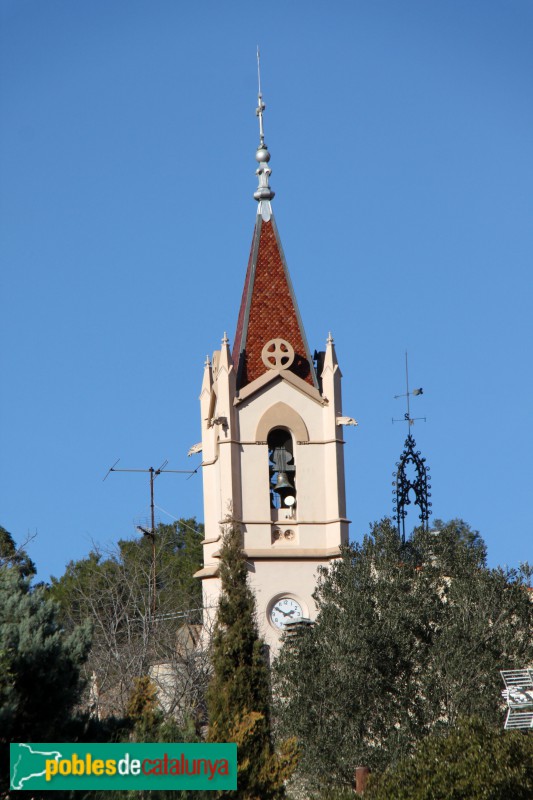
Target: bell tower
[[272, 437]]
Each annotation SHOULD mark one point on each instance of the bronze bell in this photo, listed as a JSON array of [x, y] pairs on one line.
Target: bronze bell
[[282, 482]]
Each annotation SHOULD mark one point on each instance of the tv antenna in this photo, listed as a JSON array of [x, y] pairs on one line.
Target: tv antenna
[[151, 533]]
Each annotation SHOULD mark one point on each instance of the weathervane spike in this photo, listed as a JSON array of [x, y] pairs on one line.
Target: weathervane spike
[[416, 392], [409, 420], [263, 194], [409, 460]]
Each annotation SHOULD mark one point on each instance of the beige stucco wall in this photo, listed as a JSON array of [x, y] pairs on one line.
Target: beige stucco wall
[[284, 548]]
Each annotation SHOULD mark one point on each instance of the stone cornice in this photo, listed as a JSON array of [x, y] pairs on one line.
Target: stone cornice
[[291, 521], [275, 553], [207, 572], [284, 375]]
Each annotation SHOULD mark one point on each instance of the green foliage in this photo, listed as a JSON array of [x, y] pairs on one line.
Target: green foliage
[[239, 693], [406, 639], [39, 682], [39, 664], [129, 567], [473, 761], [241, 682], [12, 556], [43, 646], [147, 723], [114, 591], [338, 793], [143, 709]]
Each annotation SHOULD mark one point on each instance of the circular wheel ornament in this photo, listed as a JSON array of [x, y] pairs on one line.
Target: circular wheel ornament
[[277, 354]]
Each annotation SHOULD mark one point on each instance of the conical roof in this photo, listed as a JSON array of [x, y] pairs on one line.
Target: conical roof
[[269, 310]]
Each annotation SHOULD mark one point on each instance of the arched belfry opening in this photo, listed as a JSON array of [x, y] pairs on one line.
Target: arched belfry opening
[[281, 469]]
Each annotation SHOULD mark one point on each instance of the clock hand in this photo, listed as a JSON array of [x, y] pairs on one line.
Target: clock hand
[[281, 611]]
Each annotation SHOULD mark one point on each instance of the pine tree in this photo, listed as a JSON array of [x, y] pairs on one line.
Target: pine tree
[[13, 556], [39, 665], [239, 693]]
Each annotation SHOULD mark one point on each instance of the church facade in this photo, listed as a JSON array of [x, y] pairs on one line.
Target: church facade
[[272, 443]]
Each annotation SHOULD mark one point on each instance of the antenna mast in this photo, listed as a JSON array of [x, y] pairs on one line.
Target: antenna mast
[[151, 533]]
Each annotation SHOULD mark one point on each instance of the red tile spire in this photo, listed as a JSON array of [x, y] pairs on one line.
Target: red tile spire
[[269, 327], [268, 310]]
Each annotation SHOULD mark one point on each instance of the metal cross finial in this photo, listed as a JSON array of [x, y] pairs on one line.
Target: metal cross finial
[[263, 194], [416, 392], [260, 105]]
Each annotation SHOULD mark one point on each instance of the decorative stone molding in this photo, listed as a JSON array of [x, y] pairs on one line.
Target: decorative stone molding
[[280, 415]]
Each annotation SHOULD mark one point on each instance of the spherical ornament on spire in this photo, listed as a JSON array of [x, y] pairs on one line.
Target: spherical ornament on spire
[[262, 155]]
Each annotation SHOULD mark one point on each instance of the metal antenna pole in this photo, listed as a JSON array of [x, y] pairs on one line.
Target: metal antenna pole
[[151, 533], [152, 519], [152, 512]]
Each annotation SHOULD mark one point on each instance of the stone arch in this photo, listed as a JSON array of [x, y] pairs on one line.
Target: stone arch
[[280, 415]]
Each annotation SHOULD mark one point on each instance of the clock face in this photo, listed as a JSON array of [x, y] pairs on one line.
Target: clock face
[[285, 610]]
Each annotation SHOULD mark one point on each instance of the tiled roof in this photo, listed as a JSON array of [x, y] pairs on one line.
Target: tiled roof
[[268, 310]]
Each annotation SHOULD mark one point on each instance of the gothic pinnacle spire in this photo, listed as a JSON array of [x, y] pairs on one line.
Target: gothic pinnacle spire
[[263, 194]]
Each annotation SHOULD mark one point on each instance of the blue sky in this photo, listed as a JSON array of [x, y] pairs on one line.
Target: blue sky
[[402, 160]]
